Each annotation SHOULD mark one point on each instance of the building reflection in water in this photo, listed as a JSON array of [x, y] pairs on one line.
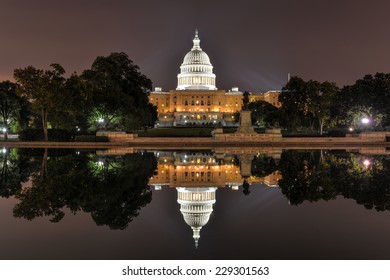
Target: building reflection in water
[[196, 205], [196, 177]]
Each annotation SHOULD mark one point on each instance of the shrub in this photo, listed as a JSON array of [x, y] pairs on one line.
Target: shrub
[[32, 134], [336, 133]]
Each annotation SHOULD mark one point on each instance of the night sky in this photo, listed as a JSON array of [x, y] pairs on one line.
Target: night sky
[[252, 44]]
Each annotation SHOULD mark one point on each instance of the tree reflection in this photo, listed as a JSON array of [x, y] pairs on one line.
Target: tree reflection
[[312, 178], [263, 165], [112, 189], [12, 172], [305, 177]]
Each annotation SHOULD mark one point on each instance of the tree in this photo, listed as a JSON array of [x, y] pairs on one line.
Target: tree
[[295, 102], [120, 93], [43, 88], [308, 102], [265, 114], [322, 98], [10, 105], [73, 106], [368, 97]]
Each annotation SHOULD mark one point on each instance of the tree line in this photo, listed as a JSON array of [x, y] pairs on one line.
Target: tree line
[[111, 95], [315, 106]]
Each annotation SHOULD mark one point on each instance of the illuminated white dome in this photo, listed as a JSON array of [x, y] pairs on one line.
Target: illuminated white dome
[[196, 57], [196, 205], [196, 71]]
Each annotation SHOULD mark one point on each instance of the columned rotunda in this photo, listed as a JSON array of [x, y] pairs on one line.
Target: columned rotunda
[[196, 100]]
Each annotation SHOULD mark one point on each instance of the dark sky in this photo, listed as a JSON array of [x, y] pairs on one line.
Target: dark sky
[[252, 44]]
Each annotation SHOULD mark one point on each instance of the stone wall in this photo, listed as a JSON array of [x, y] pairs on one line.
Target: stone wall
[[117, 136]]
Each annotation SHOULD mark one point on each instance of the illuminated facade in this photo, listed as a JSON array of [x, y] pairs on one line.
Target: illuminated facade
[[196, 100], [271, 97], [183, 170]]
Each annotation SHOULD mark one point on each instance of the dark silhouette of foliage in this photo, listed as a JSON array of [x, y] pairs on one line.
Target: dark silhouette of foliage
[[265, 114], [308, 103], [368, 97], [120, 93], [312, 178], [113, 190], [263, 165], [44, 88], [13, 108]]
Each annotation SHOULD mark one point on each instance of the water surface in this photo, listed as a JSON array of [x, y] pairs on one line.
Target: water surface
[[276, 204]]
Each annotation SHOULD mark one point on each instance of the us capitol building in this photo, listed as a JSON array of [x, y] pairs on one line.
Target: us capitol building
[[196, 100]]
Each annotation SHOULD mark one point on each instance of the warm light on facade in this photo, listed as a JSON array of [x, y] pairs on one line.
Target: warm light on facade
[[196, 92]]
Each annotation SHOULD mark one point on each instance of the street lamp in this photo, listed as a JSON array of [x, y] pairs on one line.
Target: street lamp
[[365, 121]]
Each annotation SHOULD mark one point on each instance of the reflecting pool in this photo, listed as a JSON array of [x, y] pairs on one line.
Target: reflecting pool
[[234, 203]]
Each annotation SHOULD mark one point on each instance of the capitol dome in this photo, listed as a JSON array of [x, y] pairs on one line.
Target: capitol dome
[[196, 71], [196, 206]]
